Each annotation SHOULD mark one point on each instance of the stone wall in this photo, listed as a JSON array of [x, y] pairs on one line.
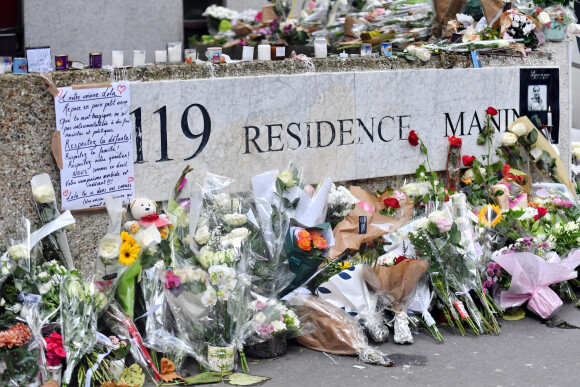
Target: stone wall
[[76, 28], [27, 121]]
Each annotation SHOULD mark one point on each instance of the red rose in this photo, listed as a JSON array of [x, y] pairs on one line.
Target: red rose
[[455, 141], [400, 259], [491, 111], [541, 212], [468, 160], [413, 138], [392, 202]]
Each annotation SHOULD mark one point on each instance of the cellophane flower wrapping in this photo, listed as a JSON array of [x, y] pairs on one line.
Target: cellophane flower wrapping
[[272, 318], [122, 325], [280, 197], [45, 200], [348, 290], [224, 225], [395, 285], [531, 278], [332, 329], [78, 318]]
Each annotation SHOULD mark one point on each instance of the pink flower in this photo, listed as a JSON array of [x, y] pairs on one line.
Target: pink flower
[[309, 190], [311, 4], [399, 195], [171, 280], [182, 184], [444, 225], [367, 207], [380, 11], [261, 305], [282, 318]]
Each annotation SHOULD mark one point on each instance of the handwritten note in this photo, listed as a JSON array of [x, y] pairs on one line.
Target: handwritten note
[[96, 143], [39, 59]]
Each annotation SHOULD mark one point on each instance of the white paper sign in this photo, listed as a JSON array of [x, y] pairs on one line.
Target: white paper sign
[[39, 60], [97, 145]]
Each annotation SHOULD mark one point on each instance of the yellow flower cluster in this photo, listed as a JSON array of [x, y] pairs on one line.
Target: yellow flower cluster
[[344, 265], [129, 250]]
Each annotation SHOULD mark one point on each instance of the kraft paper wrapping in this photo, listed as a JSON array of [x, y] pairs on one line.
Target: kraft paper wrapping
[[504, 22], [334, 330], [446, 10], [397, 281], [544, 145], [346, 233]]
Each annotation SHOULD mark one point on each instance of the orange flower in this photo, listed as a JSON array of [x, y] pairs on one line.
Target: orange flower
[[320, 243], [315, 234], [304, 244], [303, 234]]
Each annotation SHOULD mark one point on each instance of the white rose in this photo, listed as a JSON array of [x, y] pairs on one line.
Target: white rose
[[226, 203], [287, 178], [75, 289], [279, 326], [421, 224], [44, 288], [260, 318], [202, 235], [518, 129], [508, 139], [44, 193], [415, 189], [241, 232], [437, 215], [234, 219], [544, 17], [43, 275], [147, 238], [18, 252], [110, 246], [206, 259], [90, 289]]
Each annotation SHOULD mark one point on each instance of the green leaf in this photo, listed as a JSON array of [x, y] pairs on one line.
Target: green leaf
[[423, 148], [287, 202], [480, 139], [239, 379], [204, 378], [433, 229], [295, 203]]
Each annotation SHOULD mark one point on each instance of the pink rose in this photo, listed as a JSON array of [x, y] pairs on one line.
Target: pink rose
[[380, 11], [309, 190], [444, 225], [260, 305], [399, 195], [367, 207]]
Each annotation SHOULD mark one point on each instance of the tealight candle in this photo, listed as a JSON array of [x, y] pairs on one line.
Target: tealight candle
[[264, 52], [117, 59], [248, 54], [160, 56], [139, 58], [174, 52]]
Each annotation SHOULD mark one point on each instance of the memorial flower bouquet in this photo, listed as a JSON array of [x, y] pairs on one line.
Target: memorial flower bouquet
[[18, 363], [340, 203], [80, 303], [45, 200], [48, 281], [515, 25]]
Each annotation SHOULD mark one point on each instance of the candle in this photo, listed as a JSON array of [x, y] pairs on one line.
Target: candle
[[174, 52], [264, 52], [549, 116], [139, 58], [320, 49], [160, 56], [248, 54], [190, 55], [117, 58]]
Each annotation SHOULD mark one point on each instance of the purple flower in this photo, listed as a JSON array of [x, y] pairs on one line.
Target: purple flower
[[490, 272], [487, 284], [498, 273], [182, 184]]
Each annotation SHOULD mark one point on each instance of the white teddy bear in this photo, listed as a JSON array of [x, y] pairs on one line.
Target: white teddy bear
[[144, 212]]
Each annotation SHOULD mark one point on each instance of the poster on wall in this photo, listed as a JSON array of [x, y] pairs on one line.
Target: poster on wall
[[540, 99], [96, 145]]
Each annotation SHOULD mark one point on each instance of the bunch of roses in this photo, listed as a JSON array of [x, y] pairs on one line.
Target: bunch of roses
[[54, 349], [308, 240]]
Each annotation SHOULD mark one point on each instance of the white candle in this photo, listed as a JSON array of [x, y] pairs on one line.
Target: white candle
[[549, 116], [320, 49], [160, 56], [174, 52], [264, 52], [139, 58], [117, 60], [248, 54]]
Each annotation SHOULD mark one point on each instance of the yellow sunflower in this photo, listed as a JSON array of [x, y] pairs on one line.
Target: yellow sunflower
[[127, 238], [128, 254], [490, 215]]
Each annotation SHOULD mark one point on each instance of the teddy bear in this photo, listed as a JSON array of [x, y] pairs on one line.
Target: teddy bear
[[144, 212]]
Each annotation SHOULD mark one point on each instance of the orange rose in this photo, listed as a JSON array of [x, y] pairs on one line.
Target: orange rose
[[303, 234], [314, 235], [304, 244], [320, 243]]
